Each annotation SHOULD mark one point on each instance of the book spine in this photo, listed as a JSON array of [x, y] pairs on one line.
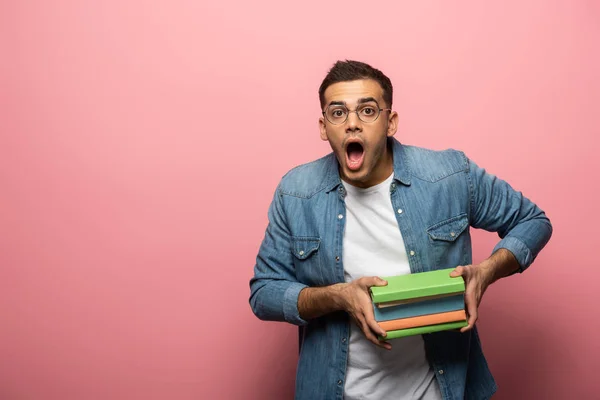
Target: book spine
[[390, 294], [431, 319], [423, 329], [413, 300], [426, 307]]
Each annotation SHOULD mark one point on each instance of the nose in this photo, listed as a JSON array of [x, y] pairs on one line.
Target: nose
[[353, 123]]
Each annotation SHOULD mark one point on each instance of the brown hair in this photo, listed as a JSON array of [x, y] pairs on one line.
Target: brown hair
[[345, 71]]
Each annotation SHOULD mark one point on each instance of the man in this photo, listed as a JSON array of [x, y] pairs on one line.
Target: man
[[375, 207]]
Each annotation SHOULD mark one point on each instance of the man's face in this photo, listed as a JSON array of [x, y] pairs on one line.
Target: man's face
[[359, 146]]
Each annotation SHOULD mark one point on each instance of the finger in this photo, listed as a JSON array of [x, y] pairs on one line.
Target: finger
[[458, 271], [369, 281], [466, 329], [368, 333], [371, 336], [374, 326], [384, 345], [378, 331], [381, 282], [471, 304], [370, 320], [379, 343]]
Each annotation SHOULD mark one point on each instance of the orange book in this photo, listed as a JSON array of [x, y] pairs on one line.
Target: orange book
[[424, 320]]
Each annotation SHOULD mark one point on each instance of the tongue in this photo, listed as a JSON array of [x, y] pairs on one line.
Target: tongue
[[354, 154]]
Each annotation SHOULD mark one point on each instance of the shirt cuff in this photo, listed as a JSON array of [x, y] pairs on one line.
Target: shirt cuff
[[290, 304], [519, 250]]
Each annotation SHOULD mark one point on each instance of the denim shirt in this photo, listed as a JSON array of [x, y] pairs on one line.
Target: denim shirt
[[437, 196]]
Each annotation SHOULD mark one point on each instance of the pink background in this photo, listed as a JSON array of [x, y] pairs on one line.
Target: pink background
[[140, 144]]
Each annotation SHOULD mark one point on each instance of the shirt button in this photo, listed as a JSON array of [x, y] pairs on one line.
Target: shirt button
[[412, 253], [452, 234], [337, 258], [301, 252], [344, 340], [441, 372], [340, 216], [399, 211], [340, 382]]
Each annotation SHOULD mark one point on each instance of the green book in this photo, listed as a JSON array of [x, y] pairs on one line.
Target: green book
[[420, 286], [423, 329]]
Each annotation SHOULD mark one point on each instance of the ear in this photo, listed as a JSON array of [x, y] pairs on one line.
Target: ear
[[392, 123], [323, 129]]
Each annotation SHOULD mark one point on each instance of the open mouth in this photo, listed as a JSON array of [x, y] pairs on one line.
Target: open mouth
[[355, 155]]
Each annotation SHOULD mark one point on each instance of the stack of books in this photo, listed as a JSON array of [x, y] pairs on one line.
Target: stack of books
[[420, 303]]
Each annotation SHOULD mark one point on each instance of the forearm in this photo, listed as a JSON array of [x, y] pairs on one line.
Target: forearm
[[314, 302], [496, 207], [500, 264]]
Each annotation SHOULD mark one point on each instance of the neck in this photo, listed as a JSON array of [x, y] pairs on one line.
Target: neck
[[385, 166]]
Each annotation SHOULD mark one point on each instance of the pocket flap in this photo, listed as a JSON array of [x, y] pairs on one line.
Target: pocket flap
[[449, 229], [303, 247]]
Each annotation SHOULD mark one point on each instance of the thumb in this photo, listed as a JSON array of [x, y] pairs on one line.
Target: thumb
[[374, 281], [458, 271], [379, 281]]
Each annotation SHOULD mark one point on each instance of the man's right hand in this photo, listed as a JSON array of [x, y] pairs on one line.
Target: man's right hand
[[356, 301]]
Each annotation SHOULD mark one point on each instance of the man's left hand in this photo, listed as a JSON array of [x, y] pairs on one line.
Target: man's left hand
[[477, 278]]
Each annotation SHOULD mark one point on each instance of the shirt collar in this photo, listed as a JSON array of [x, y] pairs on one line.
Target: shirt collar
[[401, 170]]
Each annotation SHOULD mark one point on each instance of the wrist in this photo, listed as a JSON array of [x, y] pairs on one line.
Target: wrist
[[500, 264], [488, 268], [339, 296]]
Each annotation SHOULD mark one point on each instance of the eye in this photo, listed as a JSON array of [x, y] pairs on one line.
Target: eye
[[368, 111], [338, 113]]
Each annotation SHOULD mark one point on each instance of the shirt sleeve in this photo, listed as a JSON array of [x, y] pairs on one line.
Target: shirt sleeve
[[274, 289], [495, 206]]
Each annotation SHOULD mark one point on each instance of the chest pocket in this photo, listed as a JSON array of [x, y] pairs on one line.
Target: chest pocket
[[305, 250], [449, 246], [450, 229]]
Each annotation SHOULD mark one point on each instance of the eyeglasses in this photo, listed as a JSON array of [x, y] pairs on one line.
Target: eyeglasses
[[367, 112]]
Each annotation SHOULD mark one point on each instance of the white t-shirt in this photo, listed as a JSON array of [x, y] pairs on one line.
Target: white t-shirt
[[373, 246]]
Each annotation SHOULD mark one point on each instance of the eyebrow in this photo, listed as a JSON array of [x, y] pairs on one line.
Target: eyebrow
[[366, 100], [360, 101]]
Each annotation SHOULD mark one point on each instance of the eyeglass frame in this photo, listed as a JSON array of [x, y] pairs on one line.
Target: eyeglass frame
[[354, 111]]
